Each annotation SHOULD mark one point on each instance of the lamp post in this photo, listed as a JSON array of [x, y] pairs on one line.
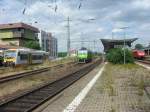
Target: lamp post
[[124, 52], [69, 33]]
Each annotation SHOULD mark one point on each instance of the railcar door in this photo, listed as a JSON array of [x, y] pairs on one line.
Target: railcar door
[[29, 58]]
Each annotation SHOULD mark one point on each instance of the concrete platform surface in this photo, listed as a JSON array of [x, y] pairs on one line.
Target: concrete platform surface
[[144, 65], [61, 101]]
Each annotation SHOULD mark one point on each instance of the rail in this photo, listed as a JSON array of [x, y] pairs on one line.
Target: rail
[[144, 61], [32, 99], [21, 75]]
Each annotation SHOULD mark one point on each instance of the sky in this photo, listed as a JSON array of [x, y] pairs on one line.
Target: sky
[[90, 20]]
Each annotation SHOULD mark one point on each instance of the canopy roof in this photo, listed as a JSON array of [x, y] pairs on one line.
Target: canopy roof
[[110, 43]]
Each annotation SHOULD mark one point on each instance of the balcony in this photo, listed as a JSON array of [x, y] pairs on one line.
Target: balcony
[[17, 34]]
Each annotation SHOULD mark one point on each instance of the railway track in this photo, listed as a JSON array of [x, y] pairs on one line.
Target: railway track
[[32, 99], [2, 68], [21, 75], [147, 89], [144, 61]]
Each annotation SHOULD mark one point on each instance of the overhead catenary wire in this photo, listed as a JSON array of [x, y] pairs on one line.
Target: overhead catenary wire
[[25, 5]]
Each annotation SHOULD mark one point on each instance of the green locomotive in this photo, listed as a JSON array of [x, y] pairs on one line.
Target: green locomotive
[[84, 55]]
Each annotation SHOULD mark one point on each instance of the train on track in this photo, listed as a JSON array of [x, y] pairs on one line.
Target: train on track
[[138, 54], [84, 55], [1, 57], [15, 57]]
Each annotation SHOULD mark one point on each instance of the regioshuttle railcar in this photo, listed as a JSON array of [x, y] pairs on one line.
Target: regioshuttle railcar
[[14, 57]]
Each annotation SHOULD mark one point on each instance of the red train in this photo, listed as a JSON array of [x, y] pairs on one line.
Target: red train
[[138, 54]]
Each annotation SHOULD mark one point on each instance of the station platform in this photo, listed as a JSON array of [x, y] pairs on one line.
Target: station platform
[[144, 65], [86, 95], [61, 102]]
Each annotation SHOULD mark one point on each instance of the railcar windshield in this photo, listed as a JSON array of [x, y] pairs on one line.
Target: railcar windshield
[[10, 54], [1, 53], [82, 52]]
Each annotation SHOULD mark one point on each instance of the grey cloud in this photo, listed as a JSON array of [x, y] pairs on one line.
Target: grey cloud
[[134, 15], [108, 13]]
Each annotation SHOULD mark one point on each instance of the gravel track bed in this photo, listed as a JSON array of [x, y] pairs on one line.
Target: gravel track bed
[[31, 82]]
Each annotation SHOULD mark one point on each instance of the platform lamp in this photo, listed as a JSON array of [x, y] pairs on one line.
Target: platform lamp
[[124, 53]]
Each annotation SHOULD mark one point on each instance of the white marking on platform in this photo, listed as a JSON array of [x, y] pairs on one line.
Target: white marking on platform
[[143, 65], [78, 99]]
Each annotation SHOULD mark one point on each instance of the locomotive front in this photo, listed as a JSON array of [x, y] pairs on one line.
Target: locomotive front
[[10, 57]]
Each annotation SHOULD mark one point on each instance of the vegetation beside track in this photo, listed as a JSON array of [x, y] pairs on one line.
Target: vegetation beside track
[[125, 84], [32, 81], [49, 63], [116, 56], [28, 82], [32, 99]]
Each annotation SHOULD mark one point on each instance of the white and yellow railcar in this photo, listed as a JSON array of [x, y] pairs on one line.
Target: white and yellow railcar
[[17, 57], [1, 57]]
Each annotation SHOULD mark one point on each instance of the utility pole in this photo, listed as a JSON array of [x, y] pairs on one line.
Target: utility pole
[[68, 32], [124, 52], [94, 48], [124, 48], [68, 37], [112, 35], [82, 40]]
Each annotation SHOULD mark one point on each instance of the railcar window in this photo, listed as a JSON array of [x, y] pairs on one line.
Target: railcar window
[[37, 57], [9, 54], [23, 56]]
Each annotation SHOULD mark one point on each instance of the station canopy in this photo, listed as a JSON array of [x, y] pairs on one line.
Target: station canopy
[[115, 43]]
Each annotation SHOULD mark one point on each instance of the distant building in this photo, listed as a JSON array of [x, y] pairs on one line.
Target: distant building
[[48, 43], [111, 43], [17, 34], [73, 52], [147, 50]]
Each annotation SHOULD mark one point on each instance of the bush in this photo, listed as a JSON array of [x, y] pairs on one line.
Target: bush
[[62, 54], [32, 45], [116, 56]]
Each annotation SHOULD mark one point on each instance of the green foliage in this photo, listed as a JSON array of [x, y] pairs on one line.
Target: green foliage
[[32, 45], [62, 54], [139, 46], [12, 44], [116, 56]]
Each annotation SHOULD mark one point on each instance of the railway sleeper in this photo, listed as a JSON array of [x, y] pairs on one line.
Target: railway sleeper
[[45, 92], [34, 98], [28, 101], [46, 89], [12, 109], [19, 104], [49, 87], [16, 106], [40, 95]]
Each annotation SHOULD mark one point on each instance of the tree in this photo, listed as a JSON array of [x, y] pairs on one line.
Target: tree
[[62, 54], [32, 45], [139, 46], [116, 56]]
